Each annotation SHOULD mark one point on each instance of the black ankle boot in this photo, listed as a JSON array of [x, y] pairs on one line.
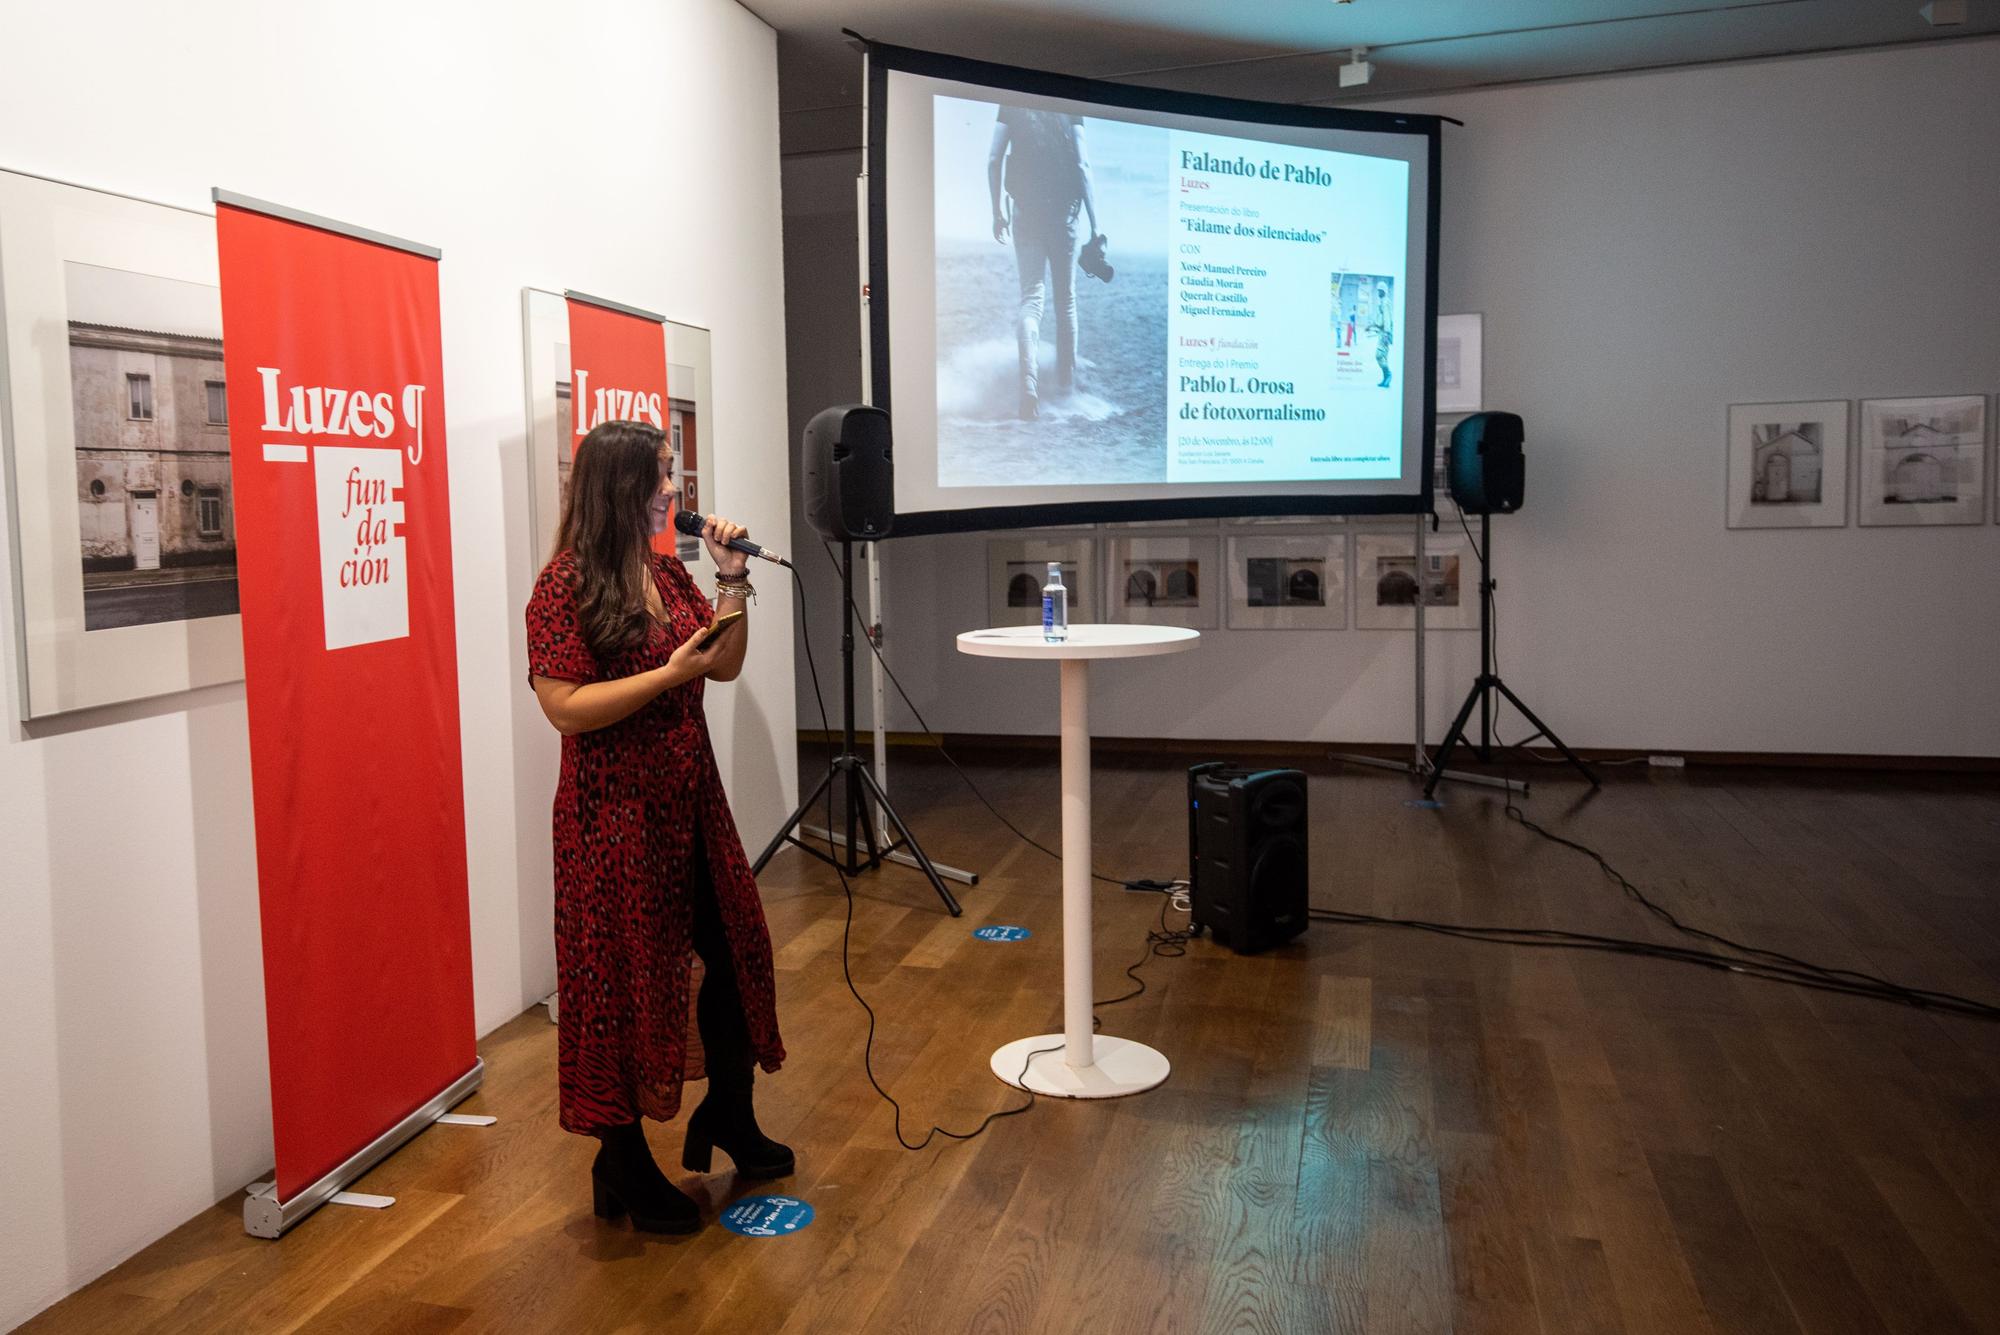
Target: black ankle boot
[[624, 1179], [726, 1119]]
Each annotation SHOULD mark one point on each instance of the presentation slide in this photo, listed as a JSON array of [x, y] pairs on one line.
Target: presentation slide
[[1148, 309], [1239, 325]]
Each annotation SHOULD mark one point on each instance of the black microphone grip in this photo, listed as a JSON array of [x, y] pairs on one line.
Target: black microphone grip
[[692, 524]]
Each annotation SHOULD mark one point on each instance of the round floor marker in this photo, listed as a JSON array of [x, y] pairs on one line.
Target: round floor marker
[[995, 932], [767, 1216]]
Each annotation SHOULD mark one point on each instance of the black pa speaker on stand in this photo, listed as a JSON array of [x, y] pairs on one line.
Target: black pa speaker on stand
[[1485, 470], [1486, 474], [1247, 854], [849, 474]]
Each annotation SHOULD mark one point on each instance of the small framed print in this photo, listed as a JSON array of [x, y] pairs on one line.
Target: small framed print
[[1923, 461], [1388, 576], [1288, 582], [1163, 581], [1461, 360], [1788, 465], [1441, 502], [1017, 568]]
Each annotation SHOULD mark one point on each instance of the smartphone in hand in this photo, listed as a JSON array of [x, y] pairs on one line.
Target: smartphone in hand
[[722, 623]]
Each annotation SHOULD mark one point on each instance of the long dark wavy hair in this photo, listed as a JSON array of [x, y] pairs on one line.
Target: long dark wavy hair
[[612, 483]]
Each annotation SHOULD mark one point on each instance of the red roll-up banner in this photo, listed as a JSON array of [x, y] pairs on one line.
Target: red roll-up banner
[[618, 372], [335, 393]]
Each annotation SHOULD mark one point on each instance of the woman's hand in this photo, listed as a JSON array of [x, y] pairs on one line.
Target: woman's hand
[[717, 533], [690, 661]]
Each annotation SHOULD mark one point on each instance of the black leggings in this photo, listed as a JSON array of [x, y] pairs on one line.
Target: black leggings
[[718, 1011]]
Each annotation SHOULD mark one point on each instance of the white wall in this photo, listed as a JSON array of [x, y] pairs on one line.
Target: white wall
[[1646, 250], [627, 147]]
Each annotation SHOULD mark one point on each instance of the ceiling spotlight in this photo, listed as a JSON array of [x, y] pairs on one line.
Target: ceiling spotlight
[[1359, 69], [1944, 13]]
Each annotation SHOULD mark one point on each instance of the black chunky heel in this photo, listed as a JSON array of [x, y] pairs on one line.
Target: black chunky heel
[[604, 1202], [625, 1180], [725, 1120]]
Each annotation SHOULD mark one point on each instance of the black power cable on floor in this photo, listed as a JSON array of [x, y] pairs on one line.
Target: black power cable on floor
[[1776, 966], [1163, 942], [868, 634], [1755, 961]]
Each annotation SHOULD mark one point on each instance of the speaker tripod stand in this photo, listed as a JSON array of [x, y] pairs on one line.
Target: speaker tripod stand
[[861, 788], [1488, 682]]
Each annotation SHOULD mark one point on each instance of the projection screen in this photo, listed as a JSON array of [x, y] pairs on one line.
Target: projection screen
[[1092, 302]]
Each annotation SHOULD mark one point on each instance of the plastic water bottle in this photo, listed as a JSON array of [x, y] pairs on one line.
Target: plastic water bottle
[[1055, 606]]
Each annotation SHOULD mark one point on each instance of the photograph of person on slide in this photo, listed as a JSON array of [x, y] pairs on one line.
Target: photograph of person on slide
[[1051, 295], [1038, 176]]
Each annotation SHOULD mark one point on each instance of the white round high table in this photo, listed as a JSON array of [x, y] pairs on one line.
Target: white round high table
[[1077, 1064]]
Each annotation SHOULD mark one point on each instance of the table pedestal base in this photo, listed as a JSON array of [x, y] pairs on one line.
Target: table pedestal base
[[1121, 1067]]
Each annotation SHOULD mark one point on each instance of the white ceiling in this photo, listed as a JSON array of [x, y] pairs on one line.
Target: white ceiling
[[1289, 50]]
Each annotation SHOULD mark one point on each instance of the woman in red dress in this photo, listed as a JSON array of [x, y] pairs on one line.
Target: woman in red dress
[[648, 865]]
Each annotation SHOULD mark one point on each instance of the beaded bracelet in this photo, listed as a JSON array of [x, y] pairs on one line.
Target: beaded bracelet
[[738, 588]]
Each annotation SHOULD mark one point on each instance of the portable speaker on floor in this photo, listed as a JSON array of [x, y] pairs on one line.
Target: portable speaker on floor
[[1247, 854]]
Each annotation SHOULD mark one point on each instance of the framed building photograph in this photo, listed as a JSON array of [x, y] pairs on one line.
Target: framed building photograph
[[1461, 360], [1288, 582], [1388, 577], [1923, 461], [1788, 465], [1017, 568], [690, 421], [117, 439], [1163, 581]]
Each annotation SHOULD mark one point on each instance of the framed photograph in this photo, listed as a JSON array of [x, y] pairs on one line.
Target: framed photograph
[[690, 422], [1923, 461], [1016, 569], [1164, 581], [1387, 579], [1788, 465], [1289, 582], [116, 428], [1441, 501], [1461, 361]]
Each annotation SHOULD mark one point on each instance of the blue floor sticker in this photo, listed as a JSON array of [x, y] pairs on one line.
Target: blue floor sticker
[[767, 1216], [1424, 804], [997, 933]]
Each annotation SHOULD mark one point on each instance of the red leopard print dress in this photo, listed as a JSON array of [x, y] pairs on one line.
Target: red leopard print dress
[[626, 806]]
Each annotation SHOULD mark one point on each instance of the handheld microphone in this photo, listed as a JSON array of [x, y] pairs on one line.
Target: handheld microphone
[[692, 524]]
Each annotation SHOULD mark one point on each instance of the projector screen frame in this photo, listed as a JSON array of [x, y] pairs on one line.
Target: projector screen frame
[[882, 58]]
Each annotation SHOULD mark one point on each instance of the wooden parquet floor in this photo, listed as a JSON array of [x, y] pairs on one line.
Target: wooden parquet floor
[[1372, 1130]]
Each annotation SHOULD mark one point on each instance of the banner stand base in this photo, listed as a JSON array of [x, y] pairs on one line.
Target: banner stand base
[[362, 1199], [265, 1216]]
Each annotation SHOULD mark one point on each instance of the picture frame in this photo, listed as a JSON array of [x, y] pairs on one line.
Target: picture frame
[[1461, 363], [1163, 581], [1923, 461], [1288, 581], [1386, 581], [1442, 504], [115, 430], [690, 415], [1016, 569], [1788, 464]]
